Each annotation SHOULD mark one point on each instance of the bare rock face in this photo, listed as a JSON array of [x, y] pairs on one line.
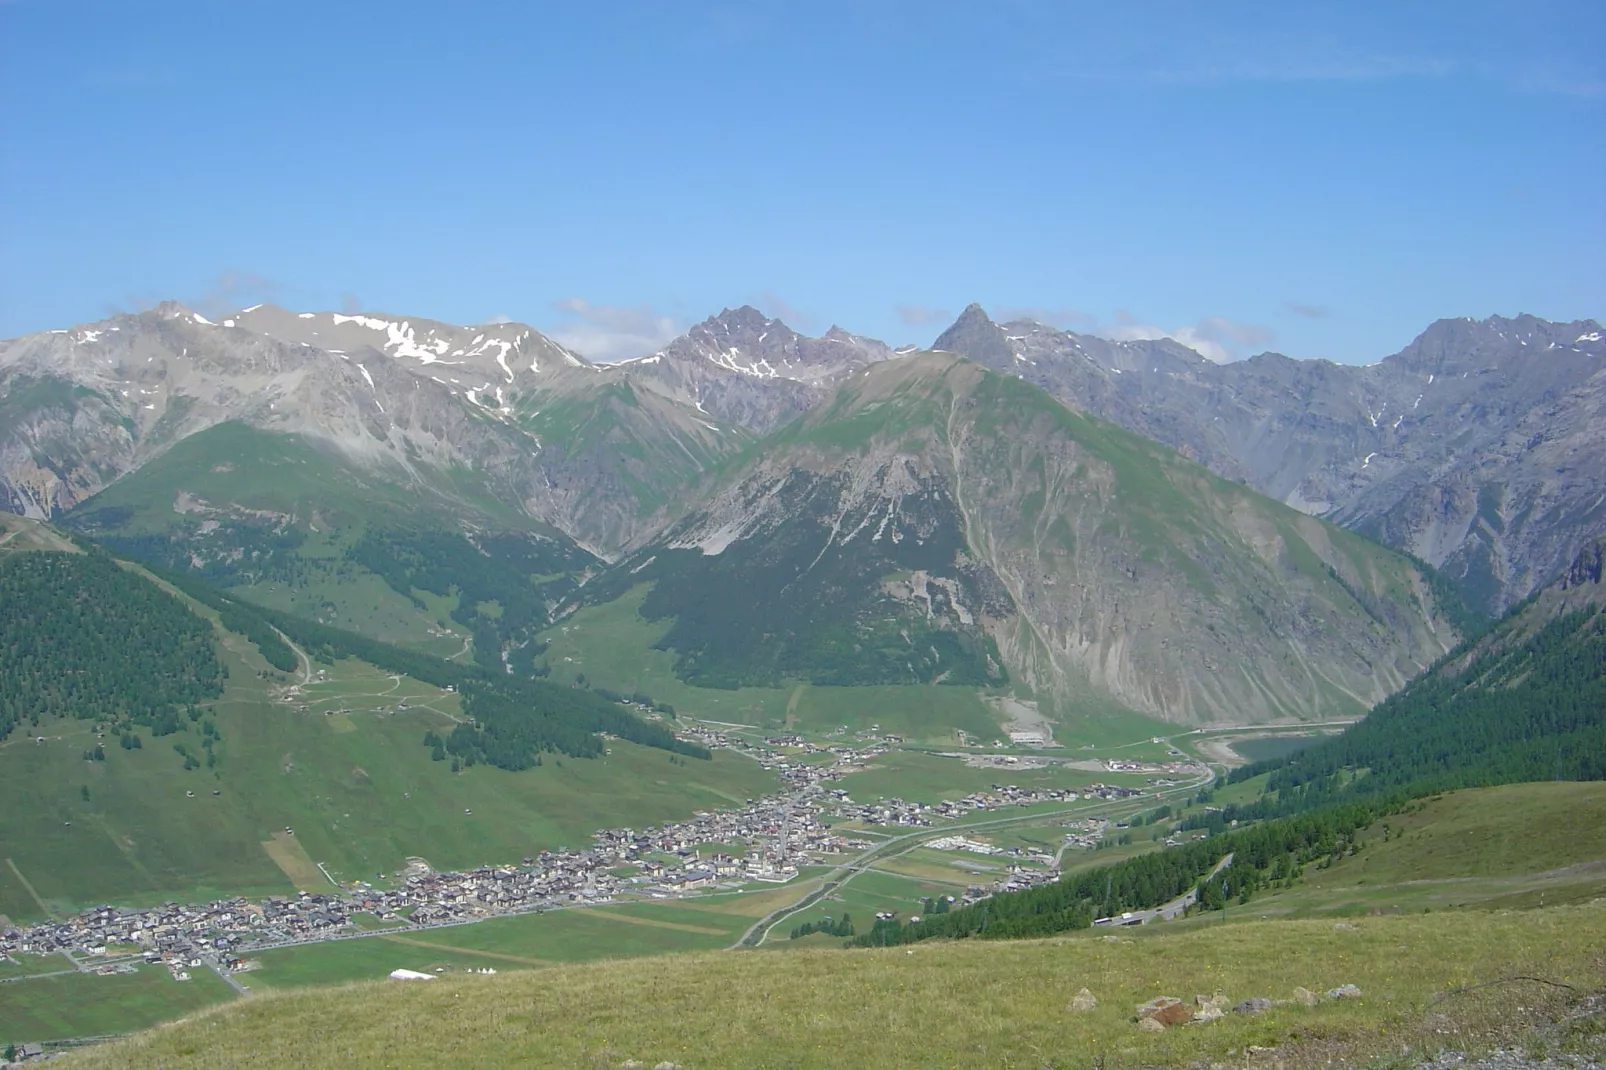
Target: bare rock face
[[1477, 448]]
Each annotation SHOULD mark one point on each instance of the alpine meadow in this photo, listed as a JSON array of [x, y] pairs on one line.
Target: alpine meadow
[[788, 536]]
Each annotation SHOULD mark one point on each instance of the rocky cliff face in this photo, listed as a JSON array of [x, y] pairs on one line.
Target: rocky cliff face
[[1093, 566], [1477, 448]]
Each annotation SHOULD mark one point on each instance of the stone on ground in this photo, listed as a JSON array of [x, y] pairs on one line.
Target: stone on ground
[[1083, 1001], [1167, 1010]]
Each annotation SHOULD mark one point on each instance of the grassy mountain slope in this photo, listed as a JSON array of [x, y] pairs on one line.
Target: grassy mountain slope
[[962, 1004], [1512, 847], [621, 457], [200, 806], [936, 522], [296, 527]]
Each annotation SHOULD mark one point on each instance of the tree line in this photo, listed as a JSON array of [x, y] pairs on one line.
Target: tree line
[[1272, 852]]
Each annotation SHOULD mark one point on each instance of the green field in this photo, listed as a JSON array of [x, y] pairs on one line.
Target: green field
[[357, 787], [861, 898], [968, 1003], [917, 776], [613, 647], [527, 942], [83, 1004]]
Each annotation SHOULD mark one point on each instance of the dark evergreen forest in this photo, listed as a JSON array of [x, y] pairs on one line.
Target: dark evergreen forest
[[81, 637], [1273, 852]]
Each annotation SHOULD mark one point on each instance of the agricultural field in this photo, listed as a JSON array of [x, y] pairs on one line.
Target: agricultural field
[[869, 892], [531, 941], [919, 776]]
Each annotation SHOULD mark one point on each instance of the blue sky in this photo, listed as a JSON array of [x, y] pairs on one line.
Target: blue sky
[[1323, 179]]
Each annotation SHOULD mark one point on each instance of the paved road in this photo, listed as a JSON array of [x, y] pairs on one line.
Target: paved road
[[229, 979]]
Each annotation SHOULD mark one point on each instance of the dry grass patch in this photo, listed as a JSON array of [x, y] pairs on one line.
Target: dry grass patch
[[288, 854]]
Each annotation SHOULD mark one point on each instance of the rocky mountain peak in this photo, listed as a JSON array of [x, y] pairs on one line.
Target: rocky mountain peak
[[1468, 346], [744, 326], [976, 336]]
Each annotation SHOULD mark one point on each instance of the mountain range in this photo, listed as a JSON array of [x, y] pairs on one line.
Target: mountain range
[[1080, 520]]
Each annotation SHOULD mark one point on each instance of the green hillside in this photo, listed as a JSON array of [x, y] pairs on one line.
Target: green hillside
[[440, 565], [1511, 847], [169, 757], [81, 638], [646, 449]]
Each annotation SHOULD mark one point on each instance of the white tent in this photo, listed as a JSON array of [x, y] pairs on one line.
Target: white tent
[[410, 975]]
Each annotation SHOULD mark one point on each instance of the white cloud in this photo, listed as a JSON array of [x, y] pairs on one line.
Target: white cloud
[[1214, 337], [1064, 318], [607, 333]]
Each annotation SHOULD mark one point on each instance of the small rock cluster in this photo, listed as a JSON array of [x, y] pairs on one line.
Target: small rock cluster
[[1165, 1012]]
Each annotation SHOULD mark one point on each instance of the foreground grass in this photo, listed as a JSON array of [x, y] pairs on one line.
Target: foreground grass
[[958, 1004]]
